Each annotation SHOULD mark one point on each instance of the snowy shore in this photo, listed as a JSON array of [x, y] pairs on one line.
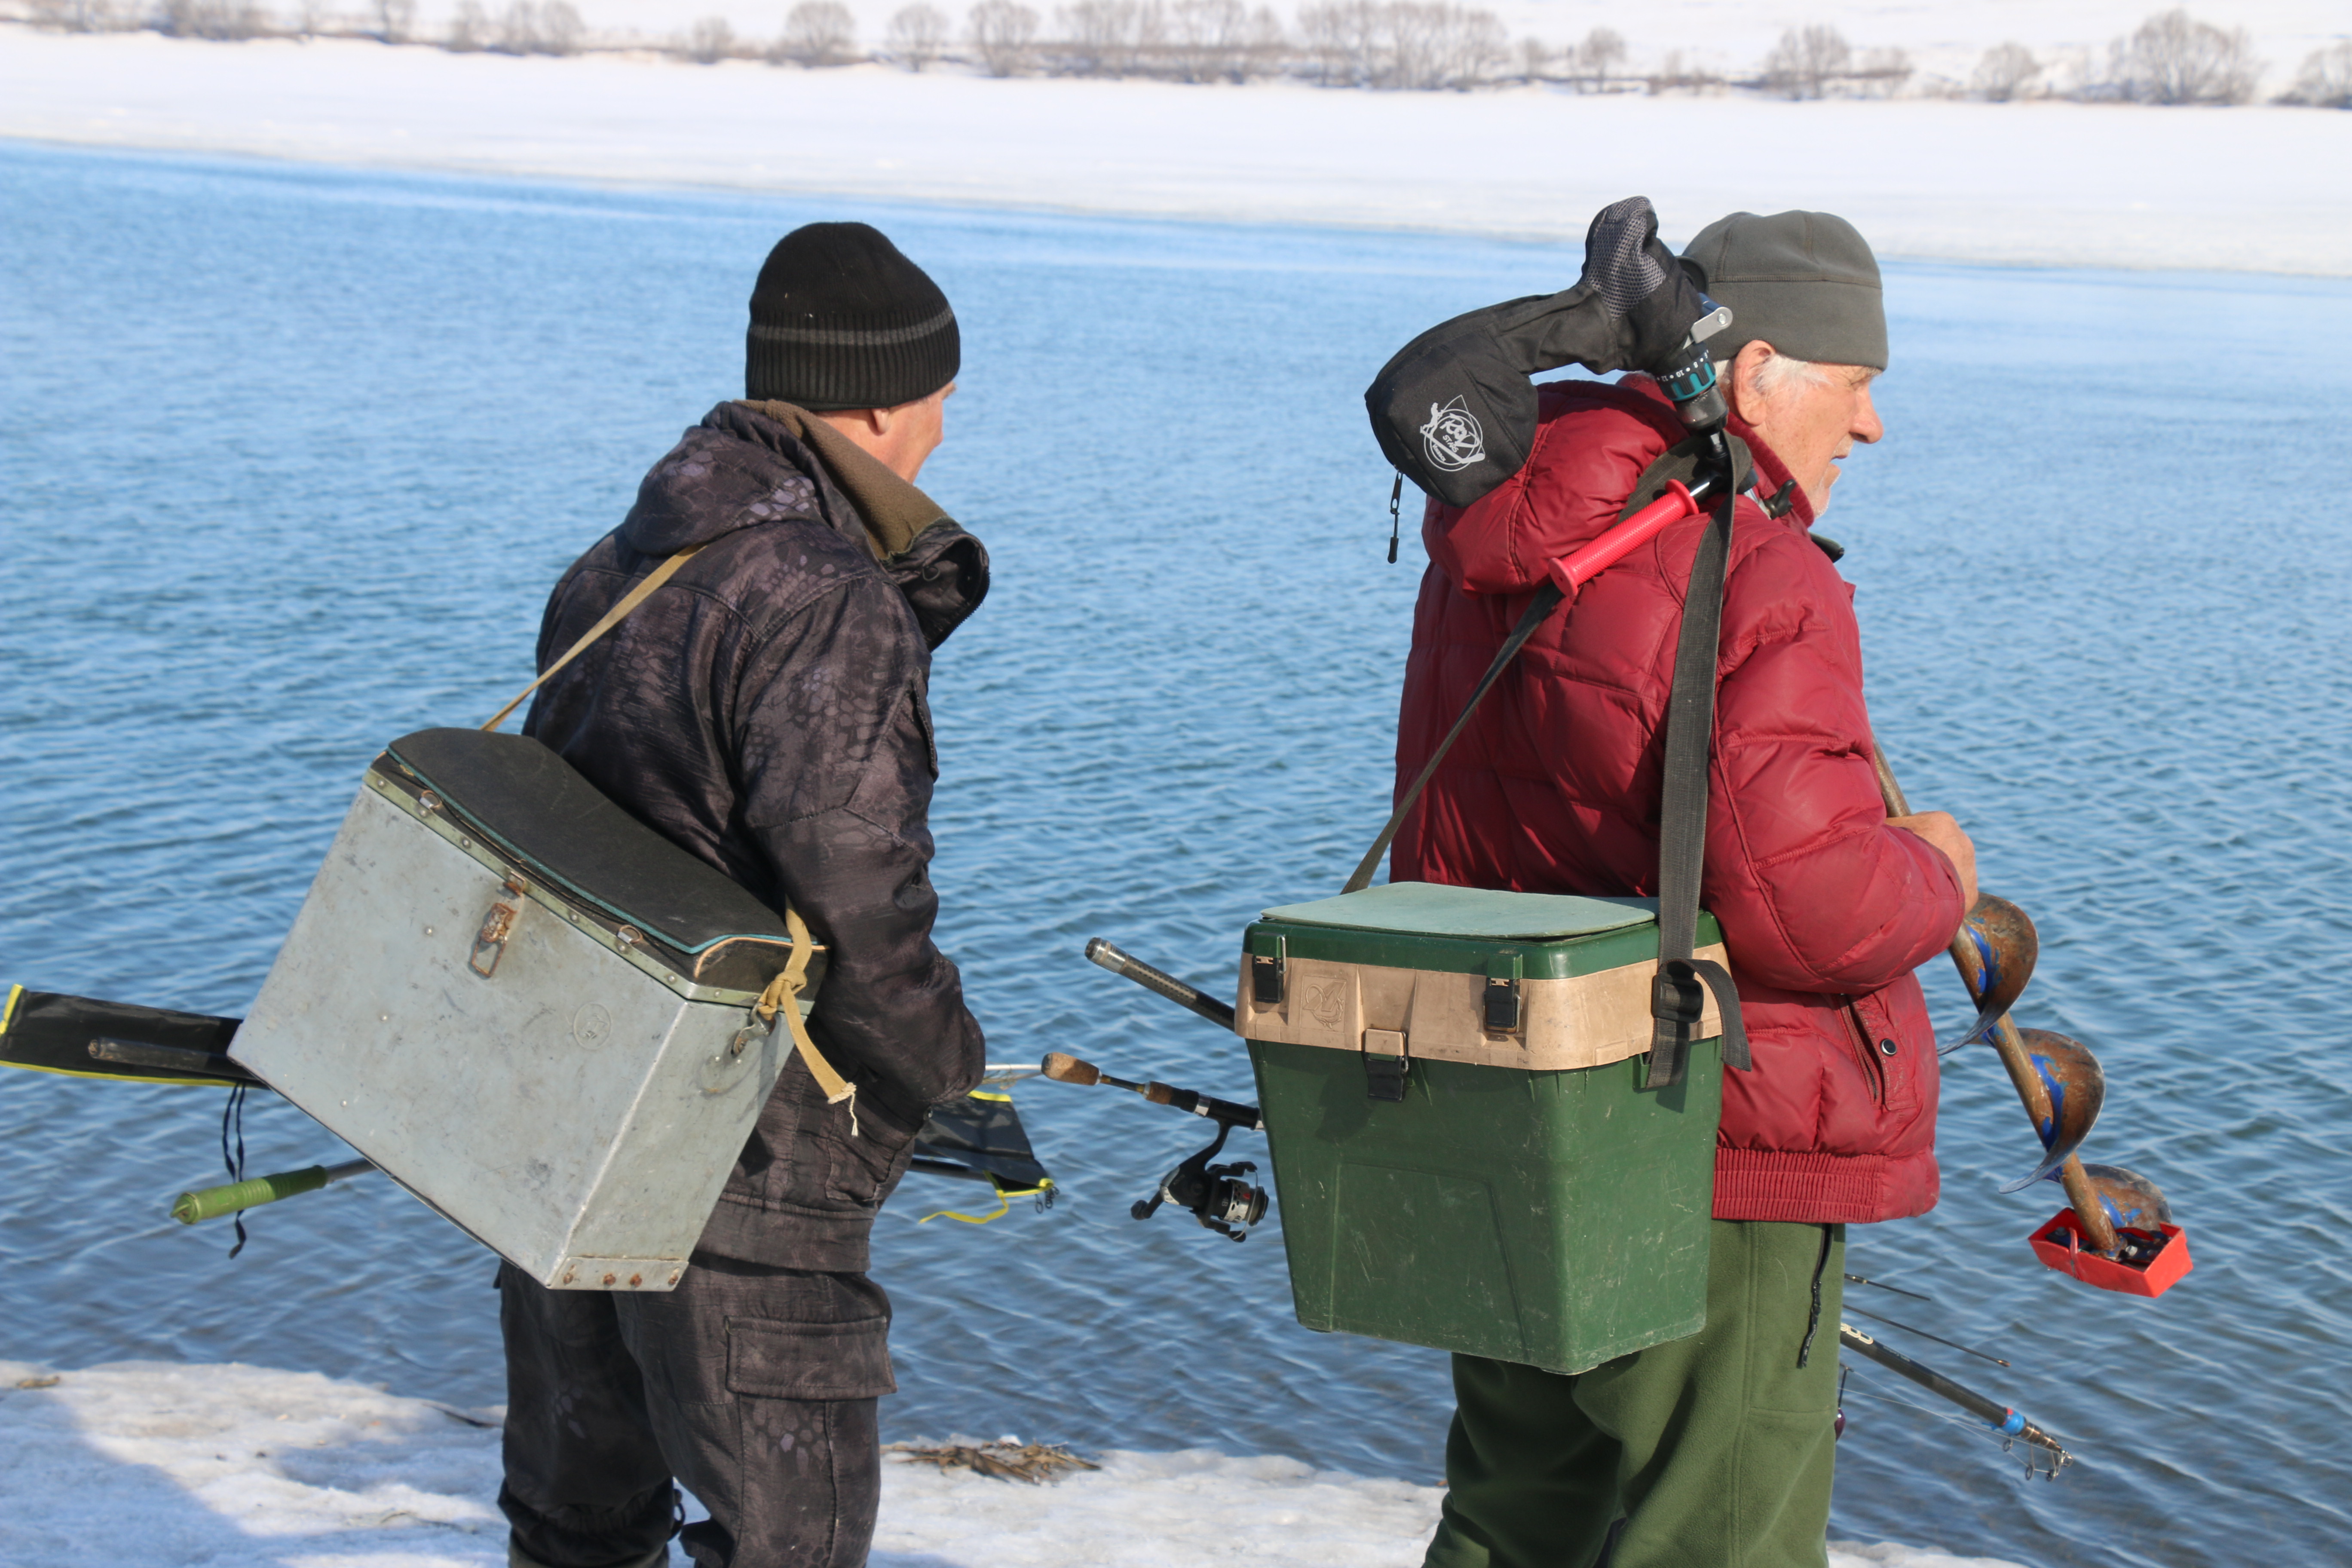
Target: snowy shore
[[2025, 184], [225, 1467]]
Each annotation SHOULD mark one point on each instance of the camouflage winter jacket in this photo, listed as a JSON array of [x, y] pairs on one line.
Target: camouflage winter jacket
[[765, 710]]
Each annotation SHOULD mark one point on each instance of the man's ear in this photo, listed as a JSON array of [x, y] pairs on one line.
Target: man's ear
[[1740, 381]]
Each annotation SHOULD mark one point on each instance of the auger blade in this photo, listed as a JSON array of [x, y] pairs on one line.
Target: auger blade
[[2077, 1089], [2006, 946], [2131, 1200]]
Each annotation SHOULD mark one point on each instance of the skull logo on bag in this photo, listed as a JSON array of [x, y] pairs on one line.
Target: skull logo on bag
[[1452, 437]]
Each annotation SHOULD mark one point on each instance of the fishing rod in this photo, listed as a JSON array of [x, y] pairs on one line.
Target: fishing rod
[[2010, 1425], [1160, 983], [200, 1204]]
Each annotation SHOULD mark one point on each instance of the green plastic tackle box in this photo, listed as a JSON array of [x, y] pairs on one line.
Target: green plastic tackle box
[[1463, 1150]]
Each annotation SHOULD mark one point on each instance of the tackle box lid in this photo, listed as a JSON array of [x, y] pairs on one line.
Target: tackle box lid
[[1433, 909], [1432, 927], [535, 806]]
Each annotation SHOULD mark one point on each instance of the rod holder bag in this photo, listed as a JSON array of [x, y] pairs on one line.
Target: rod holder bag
[[1454, 410], [1467, 1150], [529, 1009]]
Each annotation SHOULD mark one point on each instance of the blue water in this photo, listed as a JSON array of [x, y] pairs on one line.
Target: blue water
[[292, 456]]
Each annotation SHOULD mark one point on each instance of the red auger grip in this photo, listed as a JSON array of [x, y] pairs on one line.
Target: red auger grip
[[1576, 568]]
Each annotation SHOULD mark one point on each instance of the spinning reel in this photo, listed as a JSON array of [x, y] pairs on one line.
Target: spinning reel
[[1219, 1196]]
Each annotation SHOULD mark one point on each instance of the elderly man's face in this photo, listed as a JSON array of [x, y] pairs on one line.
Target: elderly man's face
[[1810, 422]]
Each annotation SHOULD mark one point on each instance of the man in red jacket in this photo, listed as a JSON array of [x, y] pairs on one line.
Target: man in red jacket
[[1716, 1449]]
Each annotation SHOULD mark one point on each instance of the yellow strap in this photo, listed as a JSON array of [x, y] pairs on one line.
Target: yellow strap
[[613, 617], [1004, 1196], [783, 996]]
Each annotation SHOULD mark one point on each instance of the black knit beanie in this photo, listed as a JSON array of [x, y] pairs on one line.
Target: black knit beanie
[[841, 320]]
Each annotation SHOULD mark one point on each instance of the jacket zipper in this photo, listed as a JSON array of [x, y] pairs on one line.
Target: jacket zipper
[[1872, 1068]]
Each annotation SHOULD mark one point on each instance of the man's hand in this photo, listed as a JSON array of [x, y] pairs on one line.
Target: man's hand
[[1939, 829]]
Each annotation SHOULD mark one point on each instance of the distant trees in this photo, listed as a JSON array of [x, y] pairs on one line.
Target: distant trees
[[2170, 58], [1111, 37], [2003, 71], [2325, 79], [1882, 72], [1602, 51], [817, 34], [77, 15], [2174, 59], [917, 37], [469, 29], [1358, 43], [1803, 63], [553, 28], [1002, 34], [217, 19], [709, 40]]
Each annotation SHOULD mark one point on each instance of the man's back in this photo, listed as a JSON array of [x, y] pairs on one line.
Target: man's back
[[765, 708], [766, 712]]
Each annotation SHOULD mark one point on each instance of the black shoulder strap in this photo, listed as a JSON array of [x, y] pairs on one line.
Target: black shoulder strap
[[1676, 1001]]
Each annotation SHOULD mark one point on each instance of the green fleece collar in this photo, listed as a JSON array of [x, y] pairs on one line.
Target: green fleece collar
[[894, 511]]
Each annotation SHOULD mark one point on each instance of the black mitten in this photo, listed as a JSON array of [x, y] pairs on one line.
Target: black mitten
[[1641, 283]]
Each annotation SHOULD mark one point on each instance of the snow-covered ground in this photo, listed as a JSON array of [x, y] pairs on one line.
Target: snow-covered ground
[[2044, 183], [148, 1465]]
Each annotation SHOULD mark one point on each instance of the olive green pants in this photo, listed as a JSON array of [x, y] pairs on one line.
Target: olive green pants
[[1714, 1451]]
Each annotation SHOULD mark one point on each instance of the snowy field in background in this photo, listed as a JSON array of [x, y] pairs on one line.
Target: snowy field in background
[[2026, 184], [154, 1466]]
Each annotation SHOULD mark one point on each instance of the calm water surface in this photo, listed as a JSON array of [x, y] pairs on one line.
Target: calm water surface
[[293, 454]]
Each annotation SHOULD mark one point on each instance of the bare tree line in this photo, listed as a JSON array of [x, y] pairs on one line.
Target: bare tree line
[[2172, 59]]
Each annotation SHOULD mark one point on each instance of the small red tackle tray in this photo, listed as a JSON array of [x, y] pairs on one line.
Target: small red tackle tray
[[2067, 1256]]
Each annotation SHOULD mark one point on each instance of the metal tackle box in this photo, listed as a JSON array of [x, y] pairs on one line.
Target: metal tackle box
[[529, 1009], [1463, 1152]]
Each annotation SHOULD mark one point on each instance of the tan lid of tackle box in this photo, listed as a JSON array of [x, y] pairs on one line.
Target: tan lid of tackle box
[[528, 1008], [1542, 982]]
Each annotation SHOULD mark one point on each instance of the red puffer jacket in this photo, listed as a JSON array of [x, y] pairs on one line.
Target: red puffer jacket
[[1554, 788]]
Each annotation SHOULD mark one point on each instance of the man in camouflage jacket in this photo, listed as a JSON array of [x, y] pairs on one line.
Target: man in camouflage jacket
[[765, 708]]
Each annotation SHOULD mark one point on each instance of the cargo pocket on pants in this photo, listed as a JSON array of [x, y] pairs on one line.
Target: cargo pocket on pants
[[768, 1359]]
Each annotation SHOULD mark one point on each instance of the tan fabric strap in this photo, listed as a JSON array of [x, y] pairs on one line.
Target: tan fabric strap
[[783, 996], [613, 617]]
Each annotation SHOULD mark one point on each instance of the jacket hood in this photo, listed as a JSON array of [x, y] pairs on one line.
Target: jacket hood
[[1593, 442], [744, 465]]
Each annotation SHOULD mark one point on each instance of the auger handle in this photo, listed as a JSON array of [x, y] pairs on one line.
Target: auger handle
[[2032, 1093], [211, 1202]]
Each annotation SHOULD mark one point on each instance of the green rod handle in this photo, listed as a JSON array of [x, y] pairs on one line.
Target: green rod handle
[[211, 1202]]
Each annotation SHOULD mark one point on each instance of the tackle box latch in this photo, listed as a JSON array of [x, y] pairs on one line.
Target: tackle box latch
[[1385, 1064], [1266, 955], [1503, 973]]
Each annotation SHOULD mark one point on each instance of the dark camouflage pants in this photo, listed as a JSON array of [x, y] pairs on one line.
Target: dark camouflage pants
[[755, 1387]]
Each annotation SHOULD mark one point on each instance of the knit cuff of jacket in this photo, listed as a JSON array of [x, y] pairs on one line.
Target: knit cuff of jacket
[[894, 511]]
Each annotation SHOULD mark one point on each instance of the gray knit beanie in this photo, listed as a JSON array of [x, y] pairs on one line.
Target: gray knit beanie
[[1804, 282]]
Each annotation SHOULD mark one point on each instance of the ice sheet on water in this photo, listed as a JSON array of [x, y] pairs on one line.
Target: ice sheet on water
[[227, 1465]]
